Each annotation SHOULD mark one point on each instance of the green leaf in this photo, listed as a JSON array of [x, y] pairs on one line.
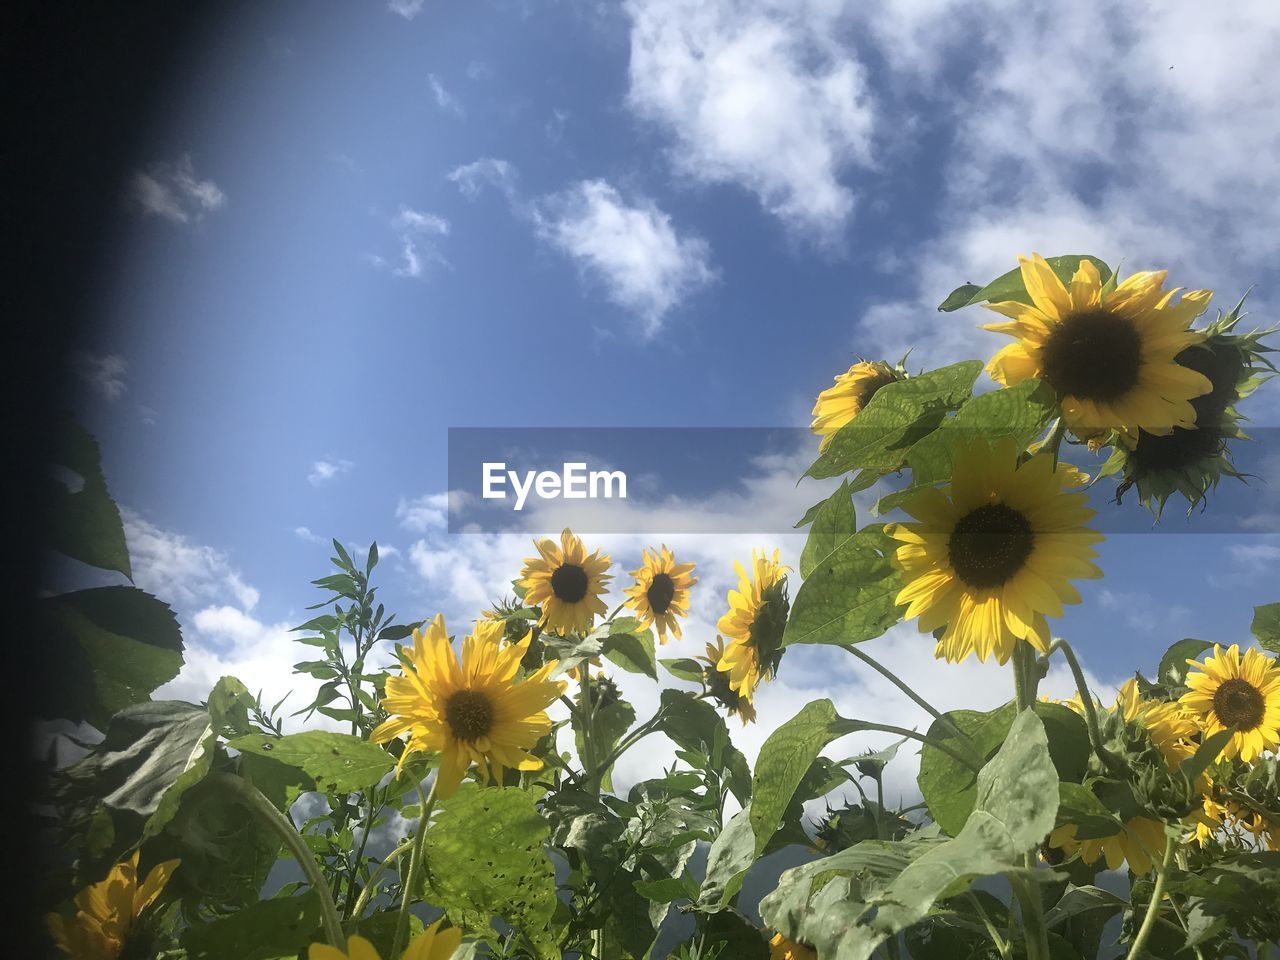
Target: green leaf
[[1173, 665], [1078, 805], [1009, 286], [630, 647], [1266, 626], [693, 724], [728, 860], [895, 418], [684, 668], [849, 597], [111, 647], [485, 858], [266, 930], [85, 524], [833, 524], [1017, 803], [1081, 914], [784, 759], [338, 762], [668, 889], [380, 930]]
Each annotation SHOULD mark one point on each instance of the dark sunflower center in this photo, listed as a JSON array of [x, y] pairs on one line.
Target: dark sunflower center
[[469, 714], [1238, 703], [569, 583], [990, 545], [660, 592], [1182, 448], [1093, 355], [870, 387]]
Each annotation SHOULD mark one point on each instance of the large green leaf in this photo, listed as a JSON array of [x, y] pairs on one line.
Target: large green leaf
[[1080, 915], [485, 858], [1266, 626], [849, 596], [1009, 286], [728, 860], [1173, 665], [630, 647], [337, 762], [832, 524], [266, 930], [1017, 801], [784, 759], [110, 647], [895, 418], [84, 522], [694, 725], [950, 787]]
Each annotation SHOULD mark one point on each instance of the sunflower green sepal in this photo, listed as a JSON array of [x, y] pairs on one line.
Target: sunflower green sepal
[[1191, 462]]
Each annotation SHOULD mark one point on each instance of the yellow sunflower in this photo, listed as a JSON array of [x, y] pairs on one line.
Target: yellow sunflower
[[661, 592], [1230, 691], [566, 582], [1140, 842], [1170, 729], [468, 711], [754, 623], [106, 911], [780, 948], [1108, 353], [994, 553], [853, 390], [718, 684], [432, 944]]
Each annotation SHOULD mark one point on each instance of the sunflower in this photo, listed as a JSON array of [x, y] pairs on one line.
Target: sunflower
[[853, 390], [780, 948], [1108, 353], [661, 592], [432, 944], [717, 683], [1230, 691], [106, 911], [566, 582], [994, 553], [1140, 841], [754, 623], [1170, 729], [468, 711]]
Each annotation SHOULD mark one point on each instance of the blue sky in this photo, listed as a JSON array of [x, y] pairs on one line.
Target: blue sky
[[356, 225]]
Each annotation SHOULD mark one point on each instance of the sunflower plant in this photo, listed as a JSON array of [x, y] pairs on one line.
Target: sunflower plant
[[458, 791]]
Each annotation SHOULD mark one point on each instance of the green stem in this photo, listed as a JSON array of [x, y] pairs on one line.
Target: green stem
[[367, 893], [915, 698], [256, 803], [1113, 762], [1001, 945], [1037, 937], [913, 735], [1153, 907], [415, 867]]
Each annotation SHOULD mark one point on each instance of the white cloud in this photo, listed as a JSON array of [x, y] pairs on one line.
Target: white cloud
[[406, 8], [444, 99], [418, 232], [174, 192], [304, 533], [105, 374], [184, 574], [322, 471], [630, 247], [760, 93], [471, 178], [427, 512]]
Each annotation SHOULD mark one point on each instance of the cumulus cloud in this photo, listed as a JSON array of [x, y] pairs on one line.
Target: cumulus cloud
[[473, 177], [322, 471], [630, 247], [427, 512], [174, 192], [758, 93], [105, 374], [185, 574], [418, 233]]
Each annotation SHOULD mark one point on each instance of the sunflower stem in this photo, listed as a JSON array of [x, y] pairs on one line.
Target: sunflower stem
[[367, 893], [415, 866], [1153, 907], [915, 698], [954, 754], [1112, 761], [253, 800]]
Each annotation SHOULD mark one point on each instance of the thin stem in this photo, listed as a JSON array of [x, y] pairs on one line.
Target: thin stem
[[913, 735], [918, 700], [1113, 762], [1032, 915], [256, 803], [415, 866], [1153, 907], [367, 893], [992, 932]]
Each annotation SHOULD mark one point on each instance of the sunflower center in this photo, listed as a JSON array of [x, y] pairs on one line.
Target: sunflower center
[[469, 714], [1238, 703], [1181, 448], [989, 545], [660, 593], [569, 583], [872, 386], [1094, 355]]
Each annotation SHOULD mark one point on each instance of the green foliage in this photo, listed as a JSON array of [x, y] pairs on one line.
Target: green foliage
[[266, 930], [849, 597], [831, 524], [337, 762], [784, 760], [1009, 286], [84, 522], [1266, 626]]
